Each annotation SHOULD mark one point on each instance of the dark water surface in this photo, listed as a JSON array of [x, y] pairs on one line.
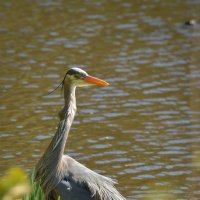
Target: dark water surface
[[144, 129]]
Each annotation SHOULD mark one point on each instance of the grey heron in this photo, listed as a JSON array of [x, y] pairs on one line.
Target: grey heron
[[61, 175]]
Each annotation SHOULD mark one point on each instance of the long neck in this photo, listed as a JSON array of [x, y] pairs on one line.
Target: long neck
[[66, 118], [57, 145], [49, 164]]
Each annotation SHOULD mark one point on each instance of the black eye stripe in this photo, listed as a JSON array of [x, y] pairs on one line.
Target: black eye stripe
[[71, 72], [75, 73]]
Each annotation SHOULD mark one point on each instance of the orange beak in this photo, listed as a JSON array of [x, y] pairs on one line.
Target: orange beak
[[95, 81]]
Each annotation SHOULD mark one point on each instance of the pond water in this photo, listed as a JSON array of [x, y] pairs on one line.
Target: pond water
[[144, 129]]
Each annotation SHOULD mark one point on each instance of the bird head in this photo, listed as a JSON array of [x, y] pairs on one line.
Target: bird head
[[80, 78]]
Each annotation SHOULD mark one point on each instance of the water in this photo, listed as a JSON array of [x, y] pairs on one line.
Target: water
[[142, 130]]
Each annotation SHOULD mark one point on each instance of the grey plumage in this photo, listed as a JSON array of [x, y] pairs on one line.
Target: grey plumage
[[61, 175]]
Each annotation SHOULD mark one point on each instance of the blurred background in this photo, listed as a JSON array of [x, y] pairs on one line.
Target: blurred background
[[144, 129]]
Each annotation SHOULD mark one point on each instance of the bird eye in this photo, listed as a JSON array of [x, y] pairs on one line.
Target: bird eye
[[77, 76]]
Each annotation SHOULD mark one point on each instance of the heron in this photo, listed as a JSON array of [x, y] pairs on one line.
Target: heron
[[60, 175]]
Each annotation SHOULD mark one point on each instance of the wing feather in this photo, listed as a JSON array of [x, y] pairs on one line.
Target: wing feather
[[101, 187]]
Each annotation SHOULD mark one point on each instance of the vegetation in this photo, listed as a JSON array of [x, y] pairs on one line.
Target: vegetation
[[16, 184], [36, 191]]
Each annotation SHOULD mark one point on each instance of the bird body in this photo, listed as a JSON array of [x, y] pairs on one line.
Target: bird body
[[61, 175]]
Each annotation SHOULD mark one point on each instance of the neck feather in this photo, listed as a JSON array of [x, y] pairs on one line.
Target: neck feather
[[50, 162], [66, 118]]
